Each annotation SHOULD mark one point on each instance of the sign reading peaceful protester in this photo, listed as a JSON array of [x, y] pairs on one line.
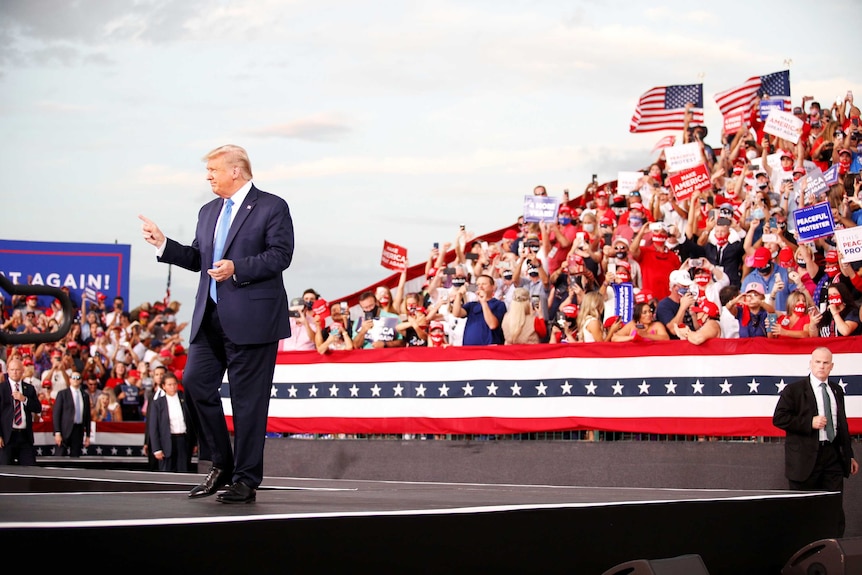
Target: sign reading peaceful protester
[[394, 257], [814, 222], [849, 243], [540, 208], [627, 181], [682, 157], [784, 125], [685, 183]]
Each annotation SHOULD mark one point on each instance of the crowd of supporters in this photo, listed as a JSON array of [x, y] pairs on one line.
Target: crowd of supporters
[[614, 267]]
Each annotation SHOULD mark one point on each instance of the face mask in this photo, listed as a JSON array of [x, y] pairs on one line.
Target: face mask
[[835, 300], [659, 240], [701, 280], [682, 291], [565, 221], [533, 273], [799, 308], [831, 270], [843, 165], [765, 269], [384, 299], [458, 282], [437, 338], [721, 240], [800, 263], [636, 221], [757, 214], [622, 254], [751, 154], [589, 228], [774, 254], [672, 244]]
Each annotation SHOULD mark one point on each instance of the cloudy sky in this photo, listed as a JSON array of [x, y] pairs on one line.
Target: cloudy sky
[[376, 121]]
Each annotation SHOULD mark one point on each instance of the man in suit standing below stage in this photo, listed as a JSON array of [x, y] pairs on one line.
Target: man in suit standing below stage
[[172, 436], [818, 454], [243, 242], [18, 403], [72, 418]]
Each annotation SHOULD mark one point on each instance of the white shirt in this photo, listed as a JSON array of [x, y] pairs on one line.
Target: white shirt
[[175, 414]]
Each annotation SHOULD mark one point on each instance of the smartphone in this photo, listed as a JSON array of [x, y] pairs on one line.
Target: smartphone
[[612, 267], [368, 315], [436, 245], [344, 309], [534, 300], [463, 227], [711, 214], [293, 313], [471, 256], [449, 271], [655, 226], [769, 238], [595, 178], [695, 263], [772, 318]]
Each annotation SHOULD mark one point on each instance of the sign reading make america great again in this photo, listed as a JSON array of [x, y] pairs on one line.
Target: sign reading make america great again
[[101, 267]]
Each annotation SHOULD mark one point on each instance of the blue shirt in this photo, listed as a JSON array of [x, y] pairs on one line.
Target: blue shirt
[[780, 302], [476, 330]]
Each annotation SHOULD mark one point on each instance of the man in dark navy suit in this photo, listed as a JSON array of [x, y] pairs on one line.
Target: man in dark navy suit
[[18, 404], [243, 242], [818, 451]]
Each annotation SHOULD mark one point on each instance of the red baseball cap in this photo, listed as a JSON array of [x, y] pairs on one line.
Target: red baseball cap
[[707, 307], [570, 310]]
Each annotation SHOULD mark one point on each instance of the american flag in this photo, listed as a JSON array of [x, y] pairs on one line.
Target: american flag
[[665, 142], [723, 387], [663, 108], [776, 85]]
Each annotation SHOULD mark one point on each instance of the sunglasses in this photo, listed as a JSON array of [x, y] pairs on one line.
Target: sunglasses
[[76, 377]]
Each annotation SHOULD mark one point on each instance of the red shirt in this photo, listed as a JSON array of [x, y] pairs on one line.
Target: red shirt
[[656, 267]]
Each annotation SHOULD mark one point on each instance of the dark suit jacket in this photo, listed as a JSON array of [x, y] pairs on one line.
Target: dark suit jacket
[[7, 409], [159, 424], [796, 408], [252, 307], [64, 413]]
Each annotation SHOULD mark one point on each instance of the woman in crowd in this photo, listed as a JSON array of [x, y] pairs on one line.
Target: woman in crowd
[[642, 326], [590, 328], [841, 316], [521, 324], [107, 407], [794, 323]]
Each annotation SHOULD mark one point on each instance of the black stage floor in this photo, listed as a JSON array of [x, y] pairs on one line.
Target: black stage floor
[[136, 521]]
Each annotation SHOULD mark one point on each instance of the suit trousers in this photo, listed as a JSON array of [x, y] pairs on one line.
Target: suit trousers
[[250, 369], [19, 449], [828, 475]]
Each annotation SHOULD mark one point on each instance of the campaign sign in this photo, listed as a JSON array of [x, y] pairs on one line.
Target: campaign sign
[[383, 329], [766, 106], [98, 267], [394, 257], [831, 176], [540, 209], [321, 309], [685, 183], [815, 187], [627, 181], [849, 243], [784, 125], [624, 301], [733, 122], [682, 157], [814, 222]]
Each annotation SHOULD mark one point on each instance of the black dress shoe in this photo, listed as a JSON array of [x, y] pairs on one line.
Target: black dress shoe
[[239, 492], [215, 479]]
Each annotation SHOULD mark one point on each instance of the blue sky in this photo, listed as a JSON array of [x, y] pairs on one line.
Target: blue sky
[[374, 120]]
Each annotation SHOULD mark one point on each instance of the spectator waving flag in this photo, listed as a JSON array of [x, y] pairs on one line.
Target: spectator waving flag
[[663, 108], [776, 85]]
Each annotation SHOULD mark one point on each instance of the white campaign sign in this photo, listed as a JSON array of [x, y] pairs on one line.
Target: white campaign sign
[[683, 156], [627, 181], [849, 242], [784, 125]]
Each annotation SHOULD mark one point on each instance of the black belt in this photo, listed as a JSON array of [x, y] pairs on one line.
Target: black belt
[[825, 442]]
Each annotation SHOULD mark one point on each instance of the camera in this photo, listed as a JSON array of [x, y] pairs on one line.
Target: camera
[[534, 301]]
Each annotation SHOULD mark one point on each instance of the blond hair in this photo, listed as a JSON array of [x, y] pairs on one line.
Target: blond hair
[[234, 156]]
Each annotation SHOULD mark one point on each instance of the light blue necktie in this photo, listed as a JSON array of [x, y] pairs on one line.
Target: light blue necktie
[[220, 238], [827, 407]]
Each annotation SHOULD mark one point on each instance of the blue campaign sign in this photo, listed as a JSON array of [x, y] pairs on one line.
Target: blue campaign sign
[[771, 104], [814, 222], [624, 301], [540, 209], [100, 267]]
